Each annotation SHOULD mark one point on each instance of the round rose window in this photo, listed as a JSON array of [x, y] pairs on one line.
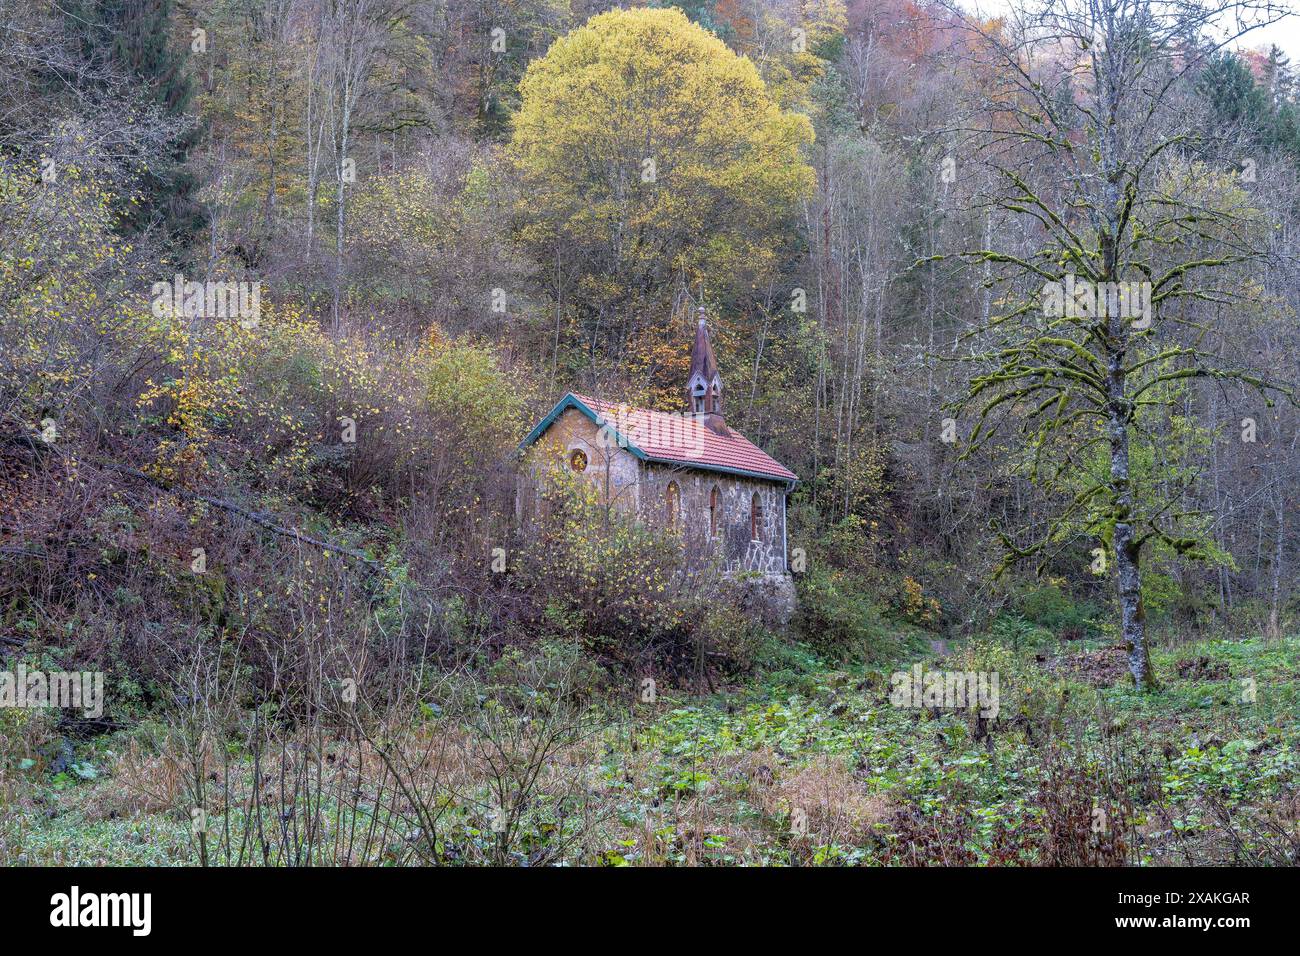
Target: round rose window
[[578, 460]]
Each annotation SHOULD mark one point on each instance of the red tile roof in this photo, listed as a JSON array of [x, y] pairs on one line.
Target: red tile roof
[[682, 438]]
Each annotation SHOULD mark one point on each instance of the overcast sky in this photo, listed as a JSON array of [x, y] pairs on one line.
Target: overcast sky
[[1285, 33]]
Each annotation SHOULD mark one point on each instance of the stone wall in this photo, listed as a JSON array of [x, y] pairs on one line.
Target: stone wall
[[615, 471], [642, 489], [733, 544]]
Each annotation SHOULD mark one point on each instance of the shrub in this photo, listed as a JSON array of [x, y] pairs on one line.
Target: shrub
[[1047, 606], [603, 578], [838, 618], [1014, 630]]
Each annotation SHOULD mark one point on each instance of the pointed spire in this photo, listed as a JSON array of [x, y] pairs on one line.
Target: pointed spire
[[703, 362], [704, 386]]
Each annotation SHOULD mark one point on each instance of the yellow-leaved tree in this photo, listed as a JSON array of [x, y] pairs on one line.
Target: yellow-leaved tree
[[650, 155]]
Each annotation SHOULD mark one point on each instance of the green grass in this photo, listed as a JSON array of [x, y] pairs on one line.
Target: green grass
[[698, 766]]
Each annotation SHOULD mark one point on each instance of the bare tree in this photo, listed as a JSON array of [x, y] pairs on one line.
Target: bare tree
[[356, 31], [1119, 295]]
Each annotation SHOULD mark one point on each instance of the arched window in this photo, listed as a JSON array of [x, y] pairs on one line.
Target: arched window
[[673, 497], [715, 511], [755, 518]]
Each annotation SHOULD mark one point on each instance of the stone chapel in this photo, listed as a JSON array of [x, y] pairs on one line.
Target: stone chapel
[[685, 471]]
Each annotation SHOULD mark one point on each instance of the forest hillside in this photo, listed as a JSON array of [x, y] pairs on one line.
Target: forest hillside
[[284, 284]]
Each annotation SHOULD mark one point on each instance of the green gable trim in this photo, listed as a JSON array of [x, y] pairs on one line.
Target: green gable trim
[[572, 401]]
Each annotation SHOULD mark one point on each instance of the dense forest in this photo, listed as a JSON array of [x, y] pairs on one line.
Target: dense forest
[[285, 283]]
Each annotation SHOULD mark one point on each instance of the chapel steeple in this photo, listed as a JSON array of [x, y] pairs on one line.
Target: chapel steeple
[[704, 387]]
